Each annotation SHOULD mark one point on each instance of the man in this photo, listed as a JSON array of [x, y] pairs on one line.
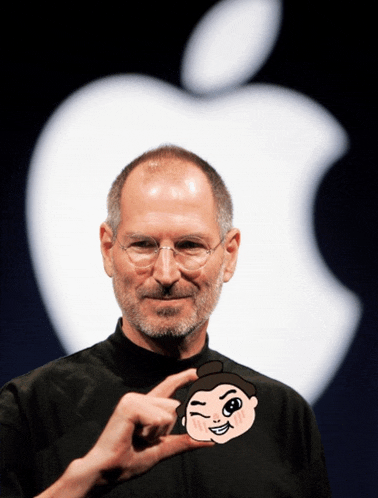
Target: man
[[102, 422]]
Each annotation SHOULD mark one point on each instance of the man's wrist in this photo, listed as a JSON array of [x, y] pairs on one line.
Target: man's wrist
[[85, 471], [79, 478]]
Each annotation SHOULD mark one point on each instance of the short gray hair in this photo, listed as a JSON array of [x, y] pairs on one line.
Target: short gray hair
[[221, 194]]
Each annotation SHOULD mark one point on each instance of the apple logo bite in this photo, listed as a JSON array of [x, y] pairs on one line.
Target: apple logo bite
[[283, 312]]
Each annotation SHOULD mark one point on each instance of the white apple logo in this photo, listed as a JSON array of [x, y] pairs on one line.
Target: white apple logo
[[283, 313]]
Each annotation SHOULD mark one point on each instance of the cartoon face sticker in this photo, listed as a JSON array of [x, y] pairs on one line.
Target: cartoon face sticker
[[220, 406]]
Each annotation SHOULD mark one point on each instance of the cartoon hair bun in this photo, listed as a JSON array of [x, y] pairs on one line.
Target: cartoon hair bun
[[209, 368]]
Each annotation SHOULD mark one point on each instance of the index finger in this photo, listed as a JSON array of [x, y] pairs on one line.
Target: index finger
[[169, 386]]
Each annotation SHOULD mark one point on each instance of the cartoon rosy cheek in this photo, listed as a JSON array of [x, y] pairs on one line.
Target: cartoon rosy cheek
[[236, 420], [199, 425], [239, 417]]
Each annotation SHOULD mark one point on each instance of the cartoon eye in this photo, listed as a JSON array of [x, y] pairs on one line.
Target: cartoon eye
[[232, 406], [198, 413]]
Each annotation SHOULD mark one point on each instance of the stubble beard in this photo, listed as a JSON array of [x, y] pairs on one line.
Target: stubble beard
[[205, 302]]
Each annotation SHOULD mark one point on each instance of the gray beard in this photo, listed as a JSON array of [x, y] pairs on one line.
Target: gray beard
[[181, 330], [204, 306]]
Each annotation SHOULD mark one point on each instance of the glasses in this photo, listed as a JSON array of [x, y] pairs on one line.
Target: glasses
[[189, 252]]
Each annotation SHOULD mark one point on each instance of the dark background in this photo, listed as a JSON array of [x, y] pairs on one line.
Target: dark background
[[326, 50]]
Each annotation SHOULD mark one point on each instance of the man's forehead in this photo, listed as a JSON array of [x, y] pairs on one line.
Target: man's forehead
[[157, 177], [173, 192], [171, 168]]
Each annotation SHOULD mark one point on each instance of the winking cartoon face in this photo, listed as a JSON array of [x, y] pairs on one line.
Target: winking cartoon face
[[221, 406], [219, 415]]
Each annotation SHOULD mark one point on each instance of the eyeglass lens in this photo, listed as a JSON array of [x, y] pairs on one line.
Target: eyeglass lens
[[191, 254]]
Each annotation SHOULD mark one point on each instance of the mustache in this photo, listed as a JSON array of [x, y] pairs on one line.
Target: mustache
[[166, 293]]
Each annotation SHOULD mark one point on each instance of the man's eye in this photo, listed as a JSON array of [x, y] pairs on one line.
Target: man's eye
[[232, 406], [142, 244], [190, 245]]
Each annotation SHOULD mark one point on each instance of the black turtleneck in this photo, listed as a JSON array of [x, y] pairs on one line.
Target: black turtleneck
[[147, 368], [55, 414]]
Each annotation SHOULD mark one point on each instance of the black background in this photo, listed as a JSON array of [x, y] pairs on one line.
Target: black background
[[326, 50]]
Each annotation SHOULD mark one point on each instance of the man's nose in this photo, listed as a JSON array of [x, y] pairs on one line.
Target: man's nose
[[166, 270]]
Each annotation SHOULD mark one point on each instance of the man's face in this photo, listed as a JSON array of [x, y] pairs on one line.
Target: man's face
[[219, 415], [168, 203]]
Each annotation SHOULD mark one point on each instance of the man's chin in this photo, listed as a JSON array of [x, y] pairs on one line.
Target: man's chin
[[167, 332], [166, 320], [168, 311], [168, 324]]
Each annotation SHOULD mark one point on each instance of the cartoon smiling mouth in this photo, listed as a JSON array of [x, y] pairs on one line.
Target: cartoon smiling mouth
[[222, 429]]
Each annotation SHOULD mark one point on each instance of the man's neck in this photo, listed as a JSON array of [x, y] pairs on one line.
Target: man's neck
[[174, 347]]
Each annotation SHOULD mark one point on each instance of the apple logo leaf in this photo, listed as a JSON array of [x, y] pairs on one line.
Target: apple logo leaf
[[230, 44]]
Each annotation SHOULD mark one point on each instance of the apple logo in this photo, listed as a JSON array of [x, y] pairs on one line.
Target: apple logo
[[283, 313]]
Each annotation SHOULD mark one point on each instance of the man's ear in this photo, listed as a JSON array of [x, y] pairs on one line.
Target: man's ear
[[106, 239], [231, 245]]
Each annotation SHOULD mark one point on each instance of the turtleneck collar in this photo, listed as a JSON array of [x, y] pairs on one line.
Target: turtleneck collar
[[145, 366]]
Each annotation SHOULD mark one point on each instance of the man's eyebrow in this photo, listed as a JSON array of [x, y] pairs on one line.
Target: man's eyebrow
[[228, 392], [197, 235], [198, 402], [194, 235], [135, 234]]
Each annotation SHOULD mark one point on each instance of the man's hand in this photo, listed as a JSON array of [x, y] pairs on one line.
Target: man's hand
[[137, 435]]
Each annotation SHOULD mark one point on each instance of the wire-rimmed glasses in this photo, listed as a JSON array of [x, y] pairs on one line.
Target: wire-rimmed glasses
[[190, 253]]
